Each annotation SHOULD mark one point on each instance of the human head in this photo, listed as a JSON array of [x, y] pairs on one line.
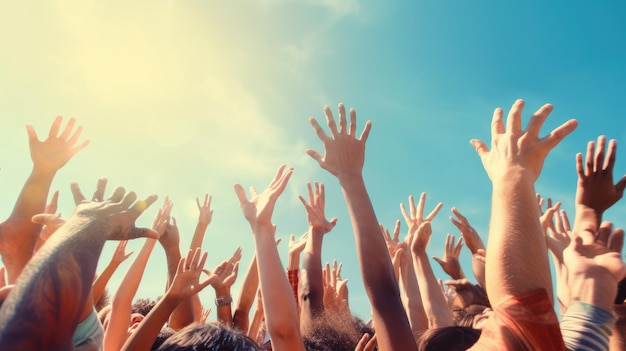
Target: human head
[[448, 339], [212, 336]]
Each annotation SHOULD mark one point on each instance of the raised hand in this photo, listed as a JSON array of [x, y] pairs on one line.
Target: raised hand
[[514, 148], [416, 215], [53, 205], [54, 152], [171, 237], [450, 261], [470, 236], [595, 178], [420, 240], [366, 343], [344, 154], [119, 211], [315, 209], [297, 246], [206, 213], [259, 208], [226, 272], [393, 243], [162, 218], [186, 281], [120, 255]]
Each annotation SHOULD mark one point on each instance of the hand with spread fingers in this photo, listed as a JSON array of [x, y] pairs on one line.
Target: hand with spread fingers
[[470, 236], [54, 152], [315, 209], [450, 262], [416, 215]]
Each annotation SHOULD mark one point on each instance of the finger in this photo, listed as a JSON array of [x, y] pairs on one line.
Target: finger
[[497, 125], [439, 260], [68, 129], [318, 129], [128, 199], [74, 137], [420, 206], [76, 149], [342, 119], [434, 212], [32, 134], [481, 149], [589, 159], [315, 155], [360, 346], [514, 118], [330, 120], [54, 129], [366, 131], [322, 195], [241, 194], [310, 193], [352, 122], [560, 133], [537, 120], [101, 185], [142, 205], [43, 218], [77, 194], [565, 221], [599, 157], [118, 194], [202, 261], [580, 169], [198, 203], [54, 203], [404, 214], [396, 231], [609, 161], [412, 206], [616, 240], [135, 233]]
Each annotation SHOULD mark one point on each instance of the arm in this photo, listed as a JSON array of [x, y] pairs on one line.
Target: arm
[[257, 318], [595, 191], [293, 263], [311, 290], [281, 312], [204, 219], [121, 303], [47, 231], [226, 274], [246, 296], [56, 283], [513, 164], [344, 157], [435, 303], [101, 281], [19, 234], [184, 285]]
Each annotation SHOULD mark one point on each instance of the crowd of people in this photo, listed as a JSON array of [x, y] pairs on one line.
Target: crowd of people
[[53, 299]]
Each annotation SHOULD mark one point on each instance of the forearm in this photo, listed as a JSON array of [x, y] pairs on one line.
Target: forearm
[[198, 236], [19, 234], [412, 299], [121, 304], [224, 311], [54, 286], [144, 336], [587, 221], [246, 296], [101, 281], [311, 289], [392, 325], [435, 304], [282, 316], [183, 314], [515, 235], [255, 324]]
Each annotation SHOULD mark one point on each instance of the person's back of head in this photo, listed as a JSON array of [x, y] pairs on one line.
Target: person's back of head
[[331, 332], [212, 336], [448, 339]]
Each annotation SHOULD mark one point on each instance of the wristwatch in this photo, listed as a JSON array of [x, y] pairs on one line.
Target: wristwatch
[[222, 301]]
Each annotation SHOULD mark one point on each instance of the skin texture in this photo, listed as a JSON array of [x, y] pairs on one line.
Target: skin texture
[[18, 234], [281, 312], [344, 156], [513, 163], [57, 281]]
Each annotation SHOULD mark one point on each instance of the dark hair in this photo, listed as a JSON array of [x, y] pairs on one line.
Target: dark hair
[[163, 335], [448, 339], [334, 332], [143, 306], [212, 336]]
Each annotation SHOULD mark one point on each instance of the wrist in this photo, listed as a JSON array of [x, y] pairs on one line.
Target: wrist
[[223, 301]]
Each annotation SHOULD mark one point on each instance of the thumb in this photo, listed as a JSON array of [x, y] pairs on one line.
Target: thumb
[[43, 218]]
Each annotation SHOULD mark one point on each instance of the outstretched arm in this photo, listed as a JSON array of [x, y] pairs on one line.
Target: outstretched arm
[[311, 290], [19, 234], [344, 155], [56, 282], [185, 284], [281, 314], [513, 164]]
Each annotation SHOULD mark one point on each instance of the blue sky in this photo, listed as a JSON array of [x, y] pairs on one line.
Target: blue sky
[[183, 98]]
